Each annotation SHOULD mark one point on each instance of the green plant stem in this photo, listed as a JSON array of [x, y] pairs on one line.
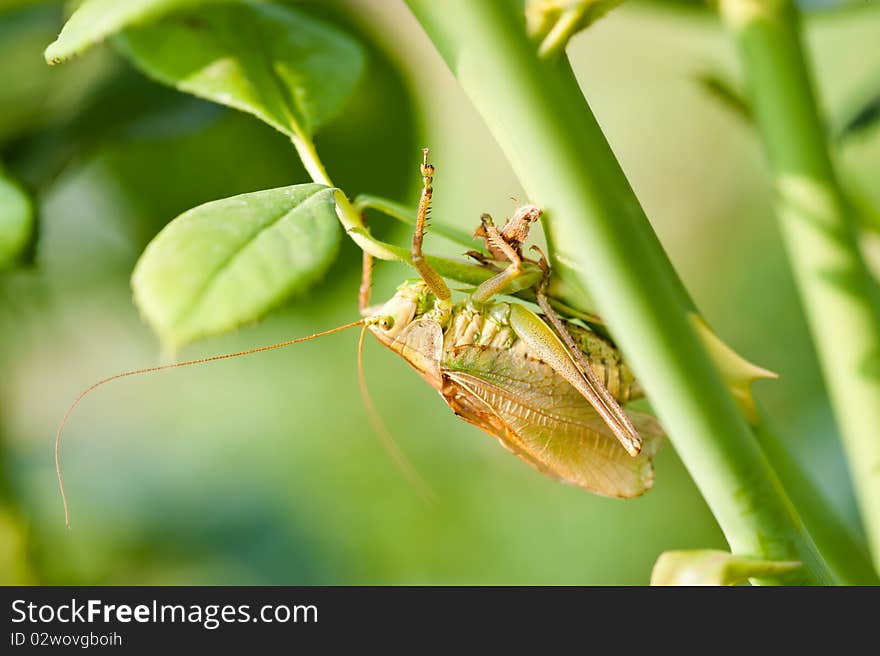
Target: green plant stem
[[817, 226], [562, 31], [553, 24], [561, 296], [604, 247], [348, 216], [846, 557], [407, 215]]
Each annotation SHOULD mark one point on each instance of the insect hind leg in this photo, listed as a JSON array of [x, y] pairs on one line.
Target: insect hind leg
[[621, 424]]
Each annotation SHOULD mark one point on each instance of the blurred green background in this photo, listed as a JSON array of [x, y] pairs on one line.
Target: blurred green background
[[260, 470]]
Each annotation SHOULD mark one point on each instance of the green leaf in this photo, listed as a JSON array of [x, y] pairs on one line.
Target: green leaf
[[710, 567], [290, 70], [230, 261], [8, 5], [95, 20], [407, 215], [16, 221]]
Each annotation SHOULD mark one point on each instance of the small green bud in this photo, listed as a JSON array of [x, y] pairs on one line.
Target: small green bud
[[711, 567], [552, 23]]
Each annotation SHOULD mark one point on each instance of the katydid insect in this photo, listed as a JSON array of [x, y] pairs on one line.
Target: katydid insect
[[548, 389], [533, 384]]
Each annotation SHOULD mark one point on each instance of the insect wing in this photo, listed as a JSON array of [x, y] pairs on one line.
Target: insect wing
[[420, 343], [547, 345], [544, 420]]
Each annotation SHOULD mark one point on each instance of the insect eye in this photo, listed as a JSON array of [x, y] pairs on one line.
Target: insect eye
[[386, 323]]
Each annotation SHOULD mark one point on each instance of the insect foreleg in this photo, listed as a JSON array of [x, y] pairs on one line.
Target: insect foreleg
[[432, 279]]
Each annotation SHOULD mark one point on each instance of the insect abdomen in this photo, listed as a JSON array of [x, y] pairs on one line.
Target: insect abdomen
[[608, 364], [490, 327]]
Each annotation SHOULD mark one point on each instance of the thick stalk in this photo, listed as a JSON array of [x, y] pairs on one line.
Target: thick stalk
[[846, 557], [604, 246], [818, 228]]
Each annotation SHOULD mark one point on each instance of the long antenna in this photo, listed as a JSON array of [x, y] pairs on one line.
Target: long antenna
[[409, 472], [174, 365]]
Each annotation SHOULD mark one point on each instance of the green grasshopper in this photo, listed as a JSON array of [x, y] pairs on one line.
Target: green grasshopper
[[548, 389]]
